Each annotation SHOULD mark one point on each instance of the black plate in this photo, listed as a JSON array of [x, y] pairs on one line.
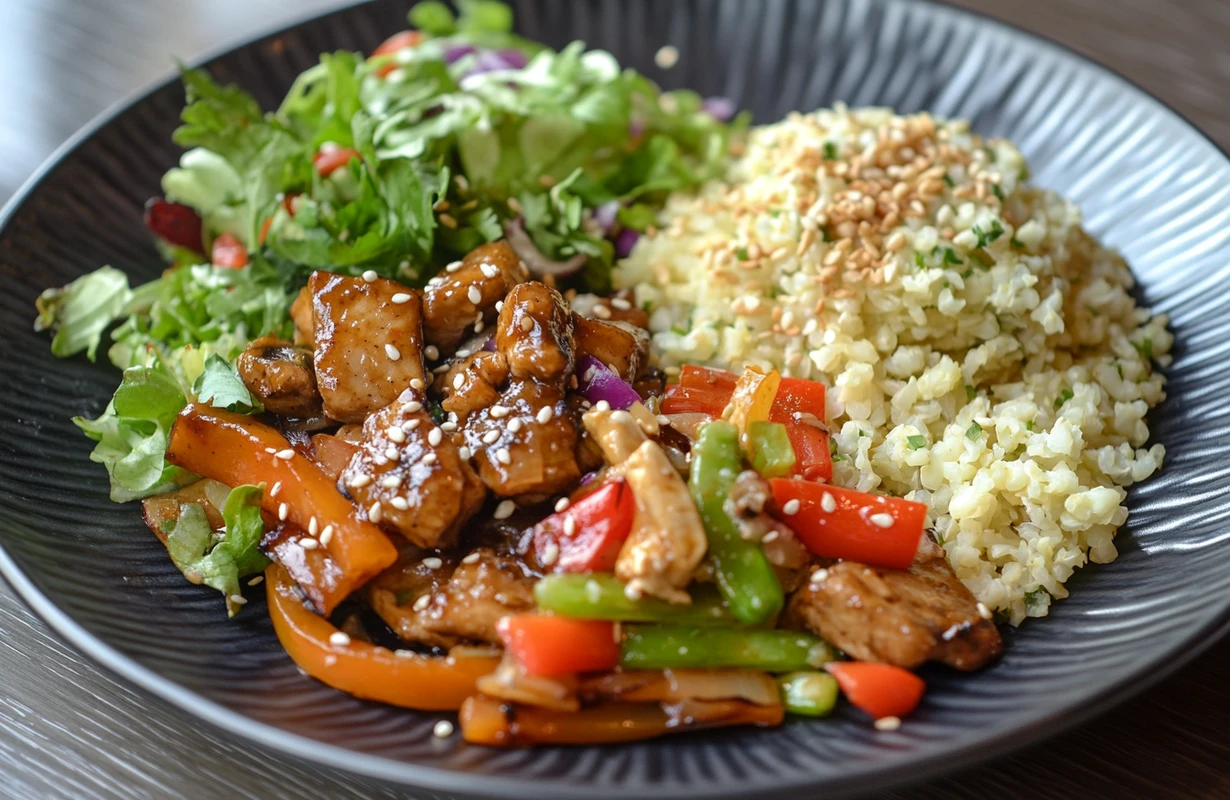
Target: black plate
[[1148, 183]]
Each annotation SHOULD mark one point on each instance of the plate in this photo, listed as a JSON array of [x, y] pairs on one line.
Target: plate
[[1148, 182]]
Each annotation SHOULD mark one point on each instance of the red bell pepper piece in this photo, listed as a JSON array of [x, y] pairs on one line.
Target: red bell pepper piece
[[552, 646], [680, 399], [882, 690], [329, 160], [397, 41], [696, 377], [841, 523], [229, 252], [600, 522]]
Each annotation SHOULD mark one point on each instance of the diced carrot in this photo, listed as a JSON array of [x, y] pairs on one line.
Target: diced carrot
[[329, 160], [841, 523], [882, 690], [229, 252], [552, 646], [587, 536]]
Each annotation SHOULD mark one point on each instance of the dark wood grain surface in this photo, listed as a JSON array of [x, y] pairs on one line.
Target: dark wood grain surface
[[68, 730]]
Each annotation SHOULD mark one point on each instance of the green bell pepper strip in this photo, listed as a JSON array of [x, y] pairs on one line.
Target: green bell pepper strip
[[602, 596], [744, 575], [769, 450], [809, 694], [680, 646]]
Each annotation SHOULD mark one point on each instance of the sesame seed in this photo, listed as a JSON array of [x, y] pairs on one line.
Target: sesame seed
[[417, 383], [400, 503], [503, 456], [431, 562], [443, 729], [326, 535], [392, 352], [664, 420], [405, 653], [819, 576], [308, 543], [434, 437], [390, 481], [396, 435], [489, 270], [312, 526], [277, 487], [448, 221], [791, 507], [375, 512], [514, 425], [464, 453], [602, 312], [271, 450], [400, 297], [238, 599], [544, 415], [339, 639], [459, 381], [562, 504], [256, 580], [359, 481], [330, 660], [570, 526], [771, 536], [472, 558], [505, 509], [499, 305], [448, 426], [888, 723], [666, 57], [490, 437], [474, 295], [422, 602], [286, 455], [550, 554], [453, 266], [391, 453], [430, 458], [621, 304], [283, 511], [983, 611], [527, 324], [882, 520], [828, 503], [499, 412], [412, 406], [370, 275], [432, 352]]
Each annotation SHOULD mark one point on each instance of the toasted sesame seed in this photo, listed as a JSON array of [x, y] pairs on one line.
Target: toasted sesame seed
[[326, 535], [432, 352], [413, 406], [472, 558], [430, 458], [464, 453], [271, 450], [405, 653], [339, 639], [570, 526], [819, 576], [422, 602], [514, 425], [313, 528], [359, 481], [550, 554], [791, 507], [308, 543], [489, 270], [499, 412], [448, 426], [238, 599], [828, 503], [503, 456], [499, 306], [400, 297], [400, 503], [390, 481], [448, 221], [375, 512], [888, 723], [459, 380], [391, 453], [283, 511], [882, 520], [621, 304], [396, 435], [431, 562], [392, 352], [452, 266], [417, 383], [277, 487], [443, 729], [505, 509], [491, 437], [479, 324], [602, 312], [544, 415], [562, 503], [434, 437], [983, 611], [664, 420], [527, 324], [286, 455], [771, 536], [370, 275], [474, 294], [602, 405], [256, 580]]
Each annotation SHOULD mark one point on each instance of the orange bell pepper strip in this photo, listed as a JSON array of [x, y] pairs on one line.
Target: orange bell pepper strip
[[238, 450], [696, 377], [427, 683], [882, 690], [397, 41], [229, 252], [332, 454], [319, 577], [587, 535], [485, 720], [841, 523], [549, 646]]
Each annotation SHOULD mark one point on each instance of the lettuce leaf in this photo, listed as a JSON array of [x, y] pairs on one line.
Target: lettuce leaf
[[205, 558], [221, 386], [81, 312]]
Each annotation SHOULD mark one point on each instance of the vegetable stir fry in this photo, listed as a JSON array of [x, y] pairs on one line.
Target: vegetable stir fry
[[385, 376]]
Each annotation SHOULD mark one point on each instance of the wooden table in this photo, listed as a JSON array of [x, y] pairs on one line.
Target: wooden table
[[69, 731]]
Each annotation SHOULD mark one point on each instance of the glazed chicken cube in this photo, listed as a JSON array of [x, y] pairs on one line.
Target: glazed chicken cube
[[369, 342], [281, 376], [473, 383], [902, 617], [535, 333], [455, 300], [622, 347], [410, 477], [301, 316], [449, 599]]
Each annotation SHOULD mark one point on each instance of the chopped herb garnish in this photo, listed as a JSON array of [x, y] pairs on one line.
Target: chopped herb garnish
[[919, 261], [986, 237], [679, 329], [646, 306], [973, 431], [917, 442], [830, 151], [998, 191], [951, 257], [981, 259], [939, 538], [1017, 243], [863, 433], [1119, 369], [832, 447], [1063, 397], [948, 180], [967, 272], [1145, 348], [437, 411], [741, 254], [970, 392], [1038, 597]]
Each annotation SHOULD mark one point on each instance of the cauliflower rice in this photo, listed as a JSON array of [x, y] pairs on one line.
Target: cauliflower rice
[[982, 351]]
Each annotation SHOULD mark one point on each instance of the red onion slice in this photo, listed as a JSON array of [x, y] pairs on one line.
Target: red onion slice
[[535, 261], [599, 382]]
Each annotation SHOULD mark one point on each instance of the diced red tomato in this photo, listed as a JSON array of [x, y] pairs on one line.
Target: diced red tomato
[[264, 234], [175, 224], [398, 41], [552, 646], [229, 252], [329, 160], [841, 523], [600, 522], [882, 690], [698, 377]]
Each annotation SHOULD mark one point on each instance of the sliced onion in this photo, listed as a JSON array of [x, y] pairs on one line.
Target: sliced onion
[[599, 382], [667, 686], [605, 215], [688, 424], [510, 682], [455, 54], [720, 108], [625, 241], [537, 263]]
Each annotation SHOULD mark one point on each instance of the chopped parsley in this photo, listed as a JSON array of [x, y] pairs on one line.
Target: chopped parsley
[[1063, 397], [1039, 598], [986, 237], [970, 392], [973, 431], [1017, 243], [1145, 348], [968, 272], [1029, 425], [998, 191], [948, 180], [917, 442], [919, 261], [951, 257], [437, 411], [830, 151], [741, 254]]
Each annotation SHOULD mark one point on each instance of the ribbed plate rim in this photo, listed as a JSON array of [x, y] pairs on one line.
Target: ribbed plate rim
[[904, 771]]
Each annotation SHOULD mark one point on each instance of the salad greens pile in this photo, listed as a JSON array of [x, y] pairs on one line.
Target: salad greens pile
[[450, 136]]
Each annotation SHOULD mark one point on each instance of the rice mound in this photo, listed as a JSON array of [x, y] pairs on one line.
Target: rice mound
[[983, 353]]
